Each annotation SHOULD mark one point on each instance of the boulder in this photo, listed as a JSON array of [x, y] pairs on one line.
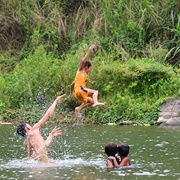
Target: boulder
[[169, 114]]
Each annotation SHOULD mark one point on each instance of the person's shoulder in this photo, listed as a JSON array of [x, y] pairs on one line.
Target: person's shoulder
[[35, 128], [127, 161], [80, 71]]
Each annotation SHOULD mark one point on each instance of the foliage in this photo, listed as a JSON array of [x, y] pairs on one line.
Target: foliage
[[136, 24], [134, 91], [136, 67], [32, 80]]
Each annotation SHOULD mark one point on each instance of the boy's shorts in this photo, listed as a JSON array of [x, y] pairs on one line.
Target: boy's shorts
[[82, 94]]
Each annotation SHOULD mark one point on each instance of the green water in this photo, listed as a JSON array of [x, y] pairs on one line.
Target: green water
[[154, 153]]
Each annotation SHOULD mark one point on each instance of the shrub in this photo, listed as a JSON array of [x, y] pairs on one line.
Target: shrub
[[33, 79]]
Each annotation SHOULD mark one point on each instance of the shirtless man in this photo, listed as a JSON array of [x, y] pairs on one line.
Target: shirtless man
[[79, 86], [34, 143]]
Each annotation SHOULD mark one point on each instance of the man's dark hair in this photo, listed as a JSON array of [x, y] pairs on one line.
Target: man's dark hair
[[123, 149], [87, 63], [111, 149], [21, 129]]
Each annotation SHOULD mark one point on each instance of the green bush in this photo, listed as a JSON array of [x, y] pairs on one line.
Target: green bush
[[33, 79], [133, 90]]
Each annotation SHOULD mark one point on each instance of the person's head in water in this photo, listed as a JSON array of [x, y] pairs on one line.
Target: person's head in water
[[111, 149], [23, 128], [123, 149]]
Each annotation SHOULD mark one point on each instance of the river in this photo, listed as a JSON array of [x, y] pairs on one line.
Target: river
[[79, 151]]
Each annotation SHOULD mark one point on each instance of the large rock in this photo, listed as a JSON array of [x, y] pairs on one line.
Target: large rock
[[169, 114]]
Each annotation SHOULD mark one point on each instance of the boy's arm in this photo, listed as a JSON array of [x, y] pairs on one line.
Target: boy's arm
[[125, 162], [55, 132], [49, 112], [109, 163], [86, 57], [72, 88], [115, 161]]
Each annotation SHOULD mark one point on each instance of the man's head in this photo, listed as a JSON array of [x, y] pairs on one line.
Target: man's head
[[111, 149], [87, 66], [123, 149], [22, 129]]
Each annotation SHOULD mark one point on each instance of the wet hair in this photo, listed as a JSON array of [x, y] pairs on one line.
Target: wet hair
[[111, 149], [21, 129], [123, 149], [87, 63]]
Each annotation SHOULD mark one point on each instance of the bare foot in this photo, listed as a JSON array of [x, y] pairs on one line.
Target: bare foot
[[98, 104], [78, 114]]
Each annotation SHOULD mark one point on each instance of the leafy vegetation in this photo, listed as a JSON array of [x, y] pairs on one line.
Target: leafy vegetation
[[135, 68]]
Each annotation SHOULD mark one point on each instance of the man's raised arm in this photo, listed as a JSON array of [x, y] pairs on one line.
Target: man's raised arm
[[49, 112]]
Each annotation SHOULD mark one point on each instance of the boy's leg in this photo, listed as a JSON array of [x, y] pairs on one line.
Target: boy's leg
[[90, 101], [81, 107], [95, 98]]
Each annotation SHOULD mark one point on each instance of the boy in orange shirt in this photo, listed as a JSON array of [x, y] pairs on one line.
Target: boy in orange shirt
[[79, 86]]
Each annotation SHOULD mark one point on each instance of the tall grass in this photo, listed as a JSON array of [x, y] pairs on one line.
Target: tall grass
[[135, 24]]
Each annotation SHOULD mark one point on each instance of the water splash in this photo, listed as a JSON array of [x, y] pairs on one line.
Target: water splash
[[66, 163]]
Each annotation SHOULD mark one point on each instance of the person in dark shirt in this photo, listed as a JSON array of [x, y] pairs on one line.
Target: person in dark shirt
[[111, 150]]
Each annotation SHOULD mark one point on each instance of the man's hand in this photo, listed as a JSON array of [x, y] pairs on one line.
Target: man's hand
[[59, 98], [56, 132]]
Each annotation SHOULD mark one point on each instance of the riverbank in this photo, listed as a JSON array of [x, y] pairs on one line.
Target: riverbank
[[71, 119], [168, 114]]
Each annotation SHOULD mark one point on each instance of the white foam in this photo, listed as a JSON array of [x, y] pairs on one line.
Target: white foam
[[58, 163], [144, 174]]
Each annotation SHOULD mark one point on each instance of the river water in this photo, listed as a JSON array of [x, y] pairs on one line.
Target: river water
[[79, 151]]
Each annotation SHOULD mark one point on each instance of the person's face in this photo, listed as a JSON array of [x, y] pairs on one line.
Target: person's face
[[87, 69]]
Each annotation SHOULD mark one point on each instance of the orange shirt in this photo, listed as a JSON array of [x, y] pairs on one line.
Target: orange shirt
[[80, 80]]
